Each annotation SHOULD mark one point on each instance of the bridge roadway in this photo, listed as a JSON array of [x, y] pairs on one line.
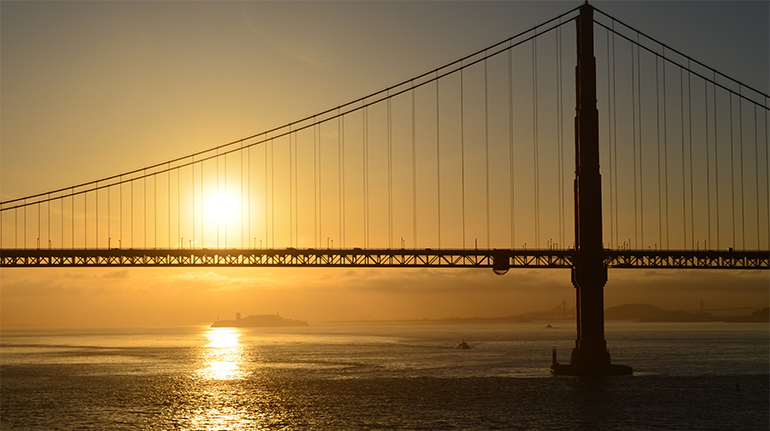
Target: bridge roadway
[[498, 259]]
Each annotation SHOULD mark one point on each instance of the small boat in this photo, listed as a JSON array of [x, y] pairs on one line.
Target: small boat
[[548, 326], [463, 345]]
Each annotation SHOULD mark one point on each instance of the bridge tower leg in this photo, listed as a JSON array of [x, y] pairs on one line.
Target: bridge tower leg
[[589, 274]]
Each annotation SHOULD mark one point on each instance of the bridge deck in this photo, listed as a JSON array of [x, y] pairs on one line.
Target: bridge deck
[[385, 258]]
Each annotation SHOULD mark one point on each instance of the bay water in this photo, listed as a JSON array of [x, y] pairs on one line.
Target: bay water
[[697, 376]]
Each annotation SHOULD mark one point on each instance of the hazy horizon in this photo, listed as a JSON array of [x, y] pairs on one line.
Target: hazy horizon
[[139, 296]]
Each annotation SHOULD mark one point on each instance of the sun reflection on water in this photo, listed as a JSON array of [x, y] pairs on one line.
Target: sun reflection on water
[[223, 357], [221, 398]]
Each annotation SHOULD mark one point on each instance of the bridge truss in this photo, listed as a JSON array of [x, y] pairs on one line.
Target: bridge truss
[[499, 260]]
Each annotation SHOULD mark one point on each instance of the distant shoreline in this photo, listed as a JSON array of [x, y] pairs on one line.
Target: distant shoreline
[[628, 312], [447, 320]]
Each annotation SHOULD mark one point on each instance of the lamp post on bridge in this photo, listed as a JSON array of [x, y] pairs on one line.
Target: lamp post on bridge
[[589, 274]]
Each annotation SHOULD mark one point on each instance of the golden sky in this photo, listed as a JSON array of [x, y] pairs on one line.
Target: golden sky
[[91, 89]]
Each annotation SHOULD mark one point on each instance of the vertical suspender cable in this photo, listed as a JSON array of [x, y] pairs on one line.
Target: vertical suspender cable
[[296, 188], [169, 203], [203, 230], [756, 172], [641, 146], [363, 171], [132, 213], [219, 196], [248, 187], [634, 80], [536, 181], [339, 174], [692, 200], [684, 171], [155, 207], [240, 155], [272, 192], [486, 139], [665, 147], [120, 234], [609, 135], [657, 124], [342, 162], [24, 225], [291, 198], [144, 195], [462, 148], [732, 169], [178, 209], [366, 177], [716, 155], [109, 216], [390, 174], [320, 201], [614, 163], [224, 157], [560, 138], [767, 175], [743, 190], [266, 210], [510, 149], [708, 162], [192, 201], [438, 162], [96, 192], [414, 173]]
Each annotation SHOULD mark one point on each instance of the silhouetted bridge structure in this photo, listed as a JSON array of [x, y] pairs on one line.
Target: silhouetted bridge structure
[[501, 260], [471, 150]]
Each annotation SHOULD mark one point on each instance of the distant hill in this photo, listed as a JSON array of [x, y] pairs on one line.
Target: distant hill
[[636, 312], [650, 313]]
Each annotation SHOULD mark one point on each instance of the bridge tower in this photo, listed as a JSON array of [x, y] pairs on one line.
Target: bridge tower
[[589, 273]]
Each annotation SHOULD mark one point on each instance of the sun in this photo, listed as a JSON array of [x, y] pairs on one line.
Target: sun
[[221, 207]]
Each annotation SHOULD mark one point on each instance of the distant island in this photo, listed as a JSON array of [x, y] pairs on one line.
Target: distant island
[[258, 321]]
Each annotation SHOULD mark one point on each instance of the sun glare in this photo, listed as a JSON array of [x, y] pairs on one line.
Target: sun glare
[[223, 356], [221, 207]]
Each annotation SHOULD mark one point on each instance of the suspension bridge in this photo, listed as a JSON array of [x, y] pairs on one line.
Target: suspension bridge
[[464, 166]]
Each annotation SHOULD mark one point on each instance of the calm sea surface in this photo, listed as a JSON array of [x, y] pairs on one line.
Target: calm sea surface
[[381, 377]]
